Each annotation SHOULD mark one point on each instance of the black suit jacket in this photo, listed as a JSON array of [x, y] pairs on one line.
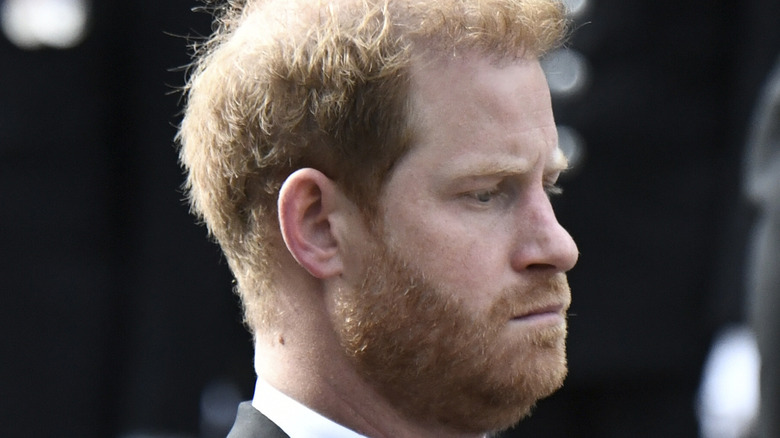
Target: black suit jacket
[[250, 423]]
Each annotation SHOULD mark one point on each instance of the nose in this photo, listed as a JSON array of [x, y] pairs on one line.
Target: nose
[[542, 243]]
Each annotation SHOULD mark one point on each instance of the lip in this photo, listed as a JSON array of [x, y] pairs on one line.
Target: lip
[[541, 314]]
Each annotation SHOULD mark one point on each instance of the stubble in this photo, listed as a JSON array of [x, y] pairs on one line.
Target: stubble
[[439, 363]]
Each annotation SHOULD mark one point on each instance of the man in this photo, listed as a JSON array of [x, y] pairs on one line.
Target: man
[[378, 176]]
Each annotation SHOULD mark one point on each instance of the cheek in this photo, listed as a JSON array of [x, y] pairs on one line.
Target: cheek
[[429, 239], [459, 251], [452, 258]]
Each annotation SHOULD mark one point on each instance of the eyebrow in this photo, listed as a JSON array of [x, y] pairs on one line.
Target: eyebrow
[[494, 168], [557, 162]]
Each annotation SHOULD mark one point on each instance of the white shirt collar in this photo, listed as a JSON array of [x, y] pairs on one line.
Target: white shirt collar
[[295, 419]]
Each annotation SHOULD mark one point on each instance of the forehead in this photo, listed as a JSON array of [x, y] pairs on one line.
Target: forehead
[[472, 107]]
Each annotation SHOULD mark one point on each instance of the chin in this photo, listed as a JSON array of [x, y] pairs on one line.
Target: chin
[[533, 374]]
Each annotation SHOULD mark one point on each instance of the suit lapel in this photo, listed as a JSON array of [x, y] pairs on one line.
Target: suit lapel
[[250, 423]]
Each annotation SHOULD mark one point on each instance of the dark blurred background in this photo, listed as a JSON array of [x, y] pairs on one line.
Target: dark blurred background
[[118, 317]]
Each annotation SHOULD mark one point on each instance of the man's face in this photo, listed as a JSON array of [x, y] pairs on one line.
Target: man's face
[[457, 316]]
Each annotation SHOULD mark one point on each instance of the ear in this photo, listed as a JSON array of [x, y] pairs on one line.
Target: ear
[[307, 201]]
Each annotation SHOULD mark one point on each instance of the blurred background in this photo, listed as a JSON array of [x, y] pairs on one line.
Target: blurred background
[[117, 313]]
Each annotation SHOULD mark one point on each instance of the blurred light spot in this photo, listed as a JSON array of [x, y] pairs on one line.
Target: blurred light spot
[[567, 72], [35, 24], [729, 395], [576, 8], [573, 146], [218, 403]]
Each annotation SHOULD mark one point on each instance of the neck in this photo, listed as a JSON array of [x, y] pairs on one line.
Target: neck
[[312, 370], [302, 357]]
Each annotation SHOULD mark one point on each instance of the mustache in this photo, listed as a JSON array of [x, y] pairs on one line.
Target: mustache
[[549, 293]]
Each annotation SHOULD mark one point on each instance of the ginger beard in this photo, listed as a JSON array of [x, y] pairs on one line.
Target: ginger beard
[[439, 363]]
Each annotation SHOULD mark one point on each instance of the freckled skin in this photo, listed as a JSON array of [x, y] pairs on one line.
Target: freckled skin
[[476, 117], [459, 306]]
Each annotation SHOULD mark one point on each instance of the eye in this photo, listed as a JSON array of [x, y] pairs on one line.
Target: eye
[[493, 196], [485, 196]]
